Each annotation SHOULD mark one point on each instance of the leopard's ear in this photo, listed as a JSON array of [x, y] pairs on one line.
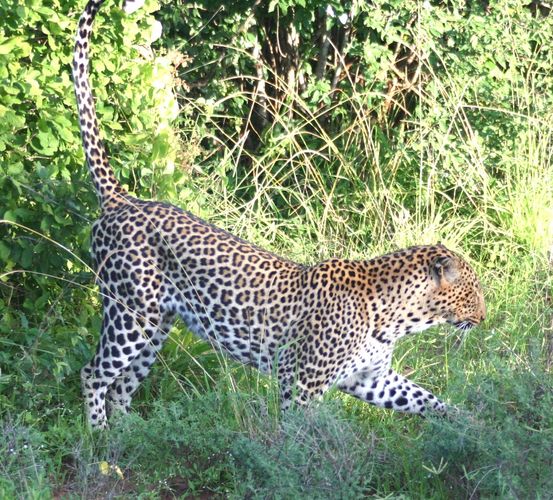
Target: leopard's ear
[[444, 270]]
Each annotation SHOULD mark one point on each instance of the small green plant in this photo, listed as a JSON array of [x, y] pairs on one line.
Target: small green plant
[[24, 463], [312, 453], [504, 448]]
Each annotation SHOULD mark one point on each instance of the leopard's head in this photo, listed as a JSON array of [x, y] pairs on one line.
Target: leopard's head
[[456, 294]]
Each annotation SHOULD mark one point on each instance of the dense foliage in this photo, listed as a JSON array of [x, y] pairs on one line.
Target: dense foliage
[[314, 129], [407, 93], [44, 184]]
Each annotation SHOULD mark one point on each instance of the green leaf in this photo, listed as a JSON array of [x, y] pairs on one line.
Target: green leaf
[[10, 215], [4, 251], [7, 46], [15, 168]]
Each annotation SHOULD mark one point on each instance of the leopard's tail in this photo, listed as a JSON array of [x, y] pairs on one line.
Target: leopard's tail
[[108, 188]]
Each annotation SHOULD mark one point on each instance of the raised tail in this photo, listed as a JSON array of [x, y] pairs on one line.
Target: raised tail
[[109, 190]]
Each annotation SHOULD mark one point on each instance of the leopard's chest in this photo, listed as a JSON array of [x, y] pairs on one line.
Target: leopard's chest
[[372, 359]]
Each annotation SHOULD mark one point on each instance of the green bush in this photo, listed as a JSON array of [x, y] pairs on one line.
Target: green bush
[[437, 127], [315, 453], [46, 200], [505, 449]]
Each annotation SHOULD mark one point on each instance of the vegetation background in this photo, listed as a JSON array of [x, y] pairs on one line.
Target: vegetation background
[[315, 129]]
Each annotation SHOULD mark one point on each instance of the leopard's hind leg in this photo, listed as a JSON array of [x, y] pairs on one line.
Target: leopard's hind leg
[[120, 392], [132, 325], [124, 338]]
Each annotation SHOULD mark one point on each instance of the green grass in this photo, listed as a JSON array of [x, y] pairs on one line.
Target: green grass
[[229, 443], [203, 426]]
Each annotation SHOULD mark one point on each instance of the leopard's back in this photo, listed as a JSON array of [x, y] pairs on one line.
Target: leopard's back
[[239, 297]]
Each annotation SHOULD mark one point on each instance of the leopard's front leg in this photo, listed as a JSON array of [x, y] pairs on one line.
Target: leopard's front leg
[[394, 391]]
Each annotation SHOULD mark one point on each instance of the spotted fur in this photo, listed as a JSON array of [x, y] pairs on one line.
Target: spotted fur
[[332, 324]]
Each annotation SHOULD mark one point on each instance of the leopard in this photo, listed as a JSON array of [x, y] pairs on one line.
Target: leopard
[[333, 324]]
